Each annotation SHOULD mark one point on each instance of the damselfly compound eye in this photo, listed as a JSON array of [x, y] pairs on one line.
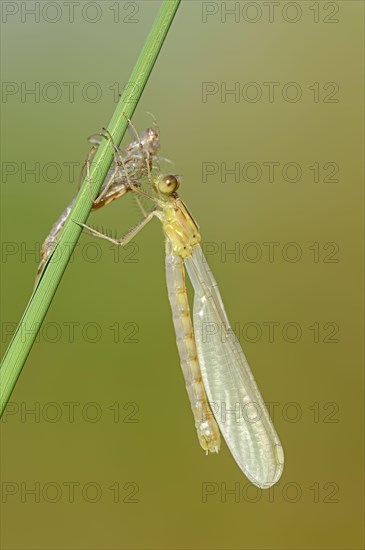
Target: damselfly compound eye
[[166, 185]]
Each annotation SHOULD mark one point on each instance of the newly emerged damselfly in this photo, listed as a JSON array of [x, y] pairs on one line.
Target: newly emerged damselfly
[[215, 368]]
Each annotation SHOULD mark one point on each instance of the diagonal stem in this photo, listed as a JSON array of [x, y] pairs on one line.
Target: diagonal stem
[[42, 296]]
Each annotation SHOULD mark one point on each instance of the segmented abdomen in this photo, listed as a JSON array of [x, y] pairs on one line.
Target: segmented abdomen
[[208, 431]]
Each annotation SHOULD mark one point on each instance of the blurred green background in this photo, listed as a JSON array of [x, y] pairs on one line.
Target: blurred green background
[[111, 451]]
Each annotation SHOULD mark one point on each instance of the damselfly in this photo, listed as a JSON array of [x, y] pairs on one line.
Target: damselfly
[[215, 369]]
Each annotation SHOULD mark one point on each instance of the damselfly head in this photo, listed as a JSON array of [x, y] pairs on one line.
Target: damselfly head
[[166, 185]]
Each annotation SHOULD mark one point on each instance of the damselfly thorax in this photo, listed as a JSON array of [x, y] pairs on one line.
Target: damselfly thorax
[[179, 227]]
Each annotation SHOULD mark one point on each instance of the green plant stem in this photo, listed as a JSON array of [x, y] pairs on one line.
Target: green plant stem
[[42, 296]]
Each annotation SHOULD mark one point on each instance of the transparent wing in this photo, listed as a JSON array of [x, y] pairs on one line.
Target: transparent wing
[[231, 389]]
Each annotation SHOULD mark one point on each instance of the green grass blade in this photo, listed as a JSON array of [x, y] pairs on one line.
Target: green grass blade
[[42, 296]]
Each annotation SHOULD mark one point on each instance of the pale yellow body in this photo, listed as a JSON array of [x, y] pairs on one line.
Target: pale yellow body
[[182, 234]]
